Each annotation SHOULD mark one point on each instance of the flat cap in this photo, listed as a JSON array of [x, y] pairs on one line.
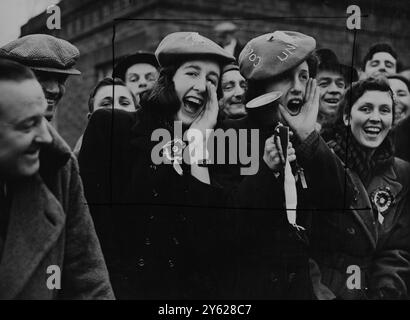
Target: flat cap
[[124, 63], [225, 27], [272, 54], [43, 52], [181, 46]]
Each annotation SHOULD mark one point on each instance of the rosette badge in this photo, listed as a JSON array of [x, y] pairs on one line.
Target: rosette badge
[[382, 198], [173, 151]]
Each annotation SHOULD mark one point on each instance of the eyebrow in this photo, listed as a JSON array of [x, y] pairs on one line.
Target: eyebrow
[[198, 68], [213, 73], [367, 104], [21, 122], [193, 66]]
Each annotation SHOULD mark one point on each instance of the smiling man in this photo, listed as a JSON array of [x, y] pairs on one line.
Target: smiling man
[[332, 79], [44, 220], [52, 60], [234, 86]]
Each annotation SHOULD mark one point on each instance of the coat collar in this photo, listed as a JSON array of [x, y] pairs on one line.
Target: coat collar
[[54, 155], [36, 222]]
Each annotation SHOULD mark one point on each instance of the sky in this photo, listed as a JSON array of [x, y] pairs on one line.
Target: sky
[[15, 13]]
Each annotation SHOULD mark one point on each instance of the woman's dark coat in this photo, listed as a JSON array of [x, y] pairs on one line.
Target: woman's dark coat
[[155, 228], [353, 237], [270, 259]]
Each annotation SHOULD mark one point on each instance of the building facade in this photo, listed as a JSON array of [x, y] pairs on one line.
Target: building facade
[[104, 30]]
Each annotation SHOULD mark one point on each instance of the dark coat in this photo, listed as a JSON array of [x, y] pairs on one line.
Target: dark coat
[[402, 139], [49, 224], [343, 238], [270, 257], [156, 230]]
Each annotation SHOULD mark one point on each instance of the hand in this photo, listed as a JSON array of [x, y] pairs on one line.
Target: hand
[[304, 122], [273, 154], [208, 116]]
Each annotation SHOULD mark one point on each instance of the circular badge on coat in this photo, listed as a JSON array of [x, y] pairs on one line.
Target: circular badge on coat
[[173, 149], [382, 198]]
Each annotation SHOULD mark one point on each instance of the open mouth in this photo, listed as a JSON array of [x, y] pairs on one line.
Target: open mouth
[[294, 106], [372, 131], [193, 104], [50, 105]]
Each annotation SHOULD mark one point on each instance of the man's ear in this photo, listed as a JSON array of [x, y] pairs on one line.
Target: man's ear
[[346, 119], [89, 115]]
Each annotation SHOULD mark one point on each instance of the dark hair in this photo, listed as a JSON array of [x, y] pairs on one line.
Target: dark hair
[[258, 87], [162, 101], [14, 71], [401, 78], [108, 81], [354, 92], [378, 47]]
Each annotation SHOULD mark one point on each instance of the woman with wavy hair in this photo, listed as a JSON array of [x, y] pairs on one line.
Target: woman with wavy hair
[[363, 250]]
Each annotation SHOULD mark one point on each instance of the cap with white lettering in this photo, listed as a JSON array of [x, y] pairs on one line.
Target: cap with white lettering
[[272, 54]]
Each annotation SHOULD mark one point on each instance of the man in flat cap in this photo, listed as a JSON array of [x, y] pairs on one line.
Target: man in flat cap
[[232, 103], [139, 71], [226, 37], [48, 245], [52, 60]]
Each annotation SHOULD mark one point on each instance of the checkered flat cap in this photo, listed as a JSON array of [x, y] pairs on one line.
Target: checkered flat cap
[[43, 52]]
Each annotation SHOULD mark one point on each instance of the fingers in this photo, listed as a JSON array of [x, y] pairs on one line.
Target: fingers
[[308, 89], [280, 150], [210, 110], [316, 96], [212, 99], [311, 89], [273, 147]]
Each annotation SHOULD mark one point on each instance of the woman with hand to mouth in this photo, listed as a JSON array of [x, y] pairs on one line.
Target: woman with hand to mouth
[[373, 231], [271, 232], [156, 229]]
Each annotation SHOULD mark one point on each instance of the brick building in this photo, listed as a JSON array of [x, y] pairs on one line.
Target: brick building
[[89, 24]]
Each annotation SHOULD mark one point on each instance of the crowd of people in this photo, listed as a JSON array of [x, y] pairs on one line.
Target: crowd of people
[[331, 192]]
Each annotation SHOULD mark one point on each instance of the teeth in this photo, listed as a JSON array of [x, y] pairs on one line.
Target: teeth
[[295, 101], [194, 100], [373, 130]]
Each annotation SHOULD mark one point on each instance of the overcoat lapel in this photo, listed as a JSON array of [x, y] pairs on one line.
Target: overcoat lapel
[[36, 222]]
